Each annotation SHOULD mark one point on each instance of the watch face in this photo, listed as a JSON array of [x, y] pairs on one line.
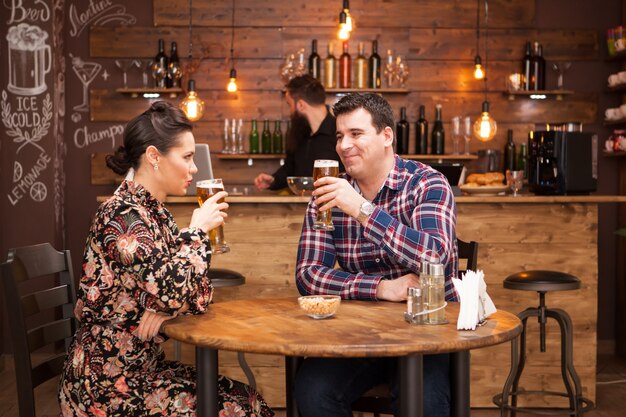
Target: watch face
[[367, 208]]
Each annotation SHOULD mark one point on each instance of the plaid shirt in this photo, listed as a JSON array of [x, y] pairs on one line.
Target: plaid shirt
[[414, 219]]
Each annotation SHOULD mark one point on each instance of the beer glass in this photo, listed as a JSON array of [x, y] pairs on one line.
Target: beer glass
[[205, 189], [324, 168]]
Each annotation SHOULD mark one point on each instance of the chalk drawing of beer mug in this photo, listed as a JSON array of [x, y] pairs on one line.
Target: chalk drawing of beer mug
[[29, 59]]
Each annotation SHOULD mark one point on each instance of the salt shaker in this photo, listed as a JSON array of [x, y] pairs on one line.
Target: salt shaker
[[414, 306], [436, 294]]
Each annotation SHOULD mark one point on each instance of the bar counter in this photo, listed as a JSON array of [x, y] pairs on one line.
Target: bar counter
[[514, 234]]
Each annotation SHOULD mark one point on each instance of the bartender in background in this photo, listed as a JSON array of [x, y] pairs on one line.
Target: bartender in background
[[312, 135]]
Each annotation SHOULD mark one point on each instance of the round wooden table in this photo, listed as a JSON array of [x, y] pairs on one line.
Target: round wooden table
[[359, 329]]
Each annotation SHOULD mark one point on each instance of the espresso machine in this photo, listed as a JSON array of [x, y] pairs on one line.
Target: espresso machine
[[562, 162]]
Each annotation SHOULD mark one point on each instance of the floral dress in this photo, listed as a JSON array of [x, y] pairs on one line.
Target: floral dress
[[135, 260]]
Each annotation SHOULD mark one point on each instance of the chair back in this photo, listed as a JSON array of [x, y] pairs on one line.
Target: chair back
[[39, 319], [468, 254]]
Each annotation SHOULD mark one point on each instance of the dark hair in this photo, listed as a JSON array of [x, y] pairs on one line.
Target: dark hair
[[307, 88], [374, 104], [159, 126]]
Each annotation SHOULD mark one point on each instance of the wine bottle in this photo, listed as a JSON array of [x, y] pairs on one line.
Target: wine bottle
[[527, 68], [421, 133], [538, 69], [266, 137], [509, 153], [174, 71], [360, 68], [277, 138], [373, 69], [330, 76], [160, 66], [402, 133], [438, 137], [315, 70], [345, 67], [254, 138], [522, 164]]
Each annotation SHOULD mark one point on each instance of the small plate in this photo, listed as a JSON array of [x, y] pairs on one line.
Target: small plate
[[484, 190]]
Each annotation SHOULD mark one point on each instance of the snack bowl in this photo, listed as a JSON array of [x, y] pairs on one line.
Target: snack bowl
[[319, 306], [300, 185]]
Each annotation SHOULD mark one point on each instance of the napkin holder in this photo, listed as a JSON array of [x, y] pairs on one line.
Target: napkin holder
[[476, 305]]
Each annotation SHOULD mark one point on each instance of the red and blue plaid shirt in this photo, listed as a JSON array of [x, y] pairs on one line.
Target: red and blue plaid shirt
[[414, 220]]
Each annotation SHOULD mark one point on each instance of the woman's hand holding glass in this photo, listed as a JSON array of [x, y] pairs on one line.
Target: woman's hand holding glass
[[211, 214]]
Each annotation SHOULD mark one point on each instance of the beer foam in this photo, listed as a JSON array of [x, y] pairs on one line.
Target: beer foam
[[209, 184], [26, 37], [325, 163]]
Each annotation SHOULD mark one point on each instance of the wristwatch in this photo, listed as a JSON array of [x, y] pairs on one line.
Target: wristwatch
[[365, 211]]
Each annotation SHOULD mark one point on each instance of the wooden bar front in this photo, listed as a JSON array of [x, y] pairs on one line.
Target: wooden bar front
[[524, 233]]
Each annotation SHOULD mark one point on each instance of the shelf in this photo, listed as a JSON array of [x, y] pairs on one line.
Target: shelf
[[150, 92], [538, 94], [619, 154], [446, 157], [368, 90], [249, 156]]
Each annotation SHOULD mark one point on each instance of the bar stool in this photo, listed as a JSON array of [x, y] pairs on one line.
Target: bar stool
[[542, 282]]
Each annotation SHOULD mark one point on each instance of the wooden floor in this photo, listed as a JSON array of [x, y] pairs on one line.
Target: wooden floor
[[611, 393]]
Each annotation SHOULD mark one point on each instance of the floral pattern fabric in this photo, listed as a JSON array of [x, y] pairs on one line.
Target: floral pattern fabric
[[136, 260]]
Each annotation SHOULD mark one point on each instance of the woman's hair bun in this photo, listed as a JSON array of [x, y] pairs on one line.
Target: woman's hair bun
[[119, 162]]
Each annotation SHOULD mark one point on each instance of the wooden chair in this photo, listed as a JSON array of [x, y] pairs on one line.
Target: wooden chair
[[377, 400], [39, 319]]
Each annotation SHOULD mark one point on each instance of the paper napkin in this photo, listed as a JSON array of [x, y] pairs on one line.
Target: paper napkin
[[476, 305]]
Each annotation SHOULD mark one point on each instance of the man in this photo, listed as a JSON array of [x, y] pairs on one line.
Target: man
[[312, 133], [389, 215]]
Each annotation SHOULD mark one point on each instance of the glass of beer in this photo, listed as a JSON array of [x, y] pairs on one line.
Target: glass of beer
[[324, 168], [205, 189]]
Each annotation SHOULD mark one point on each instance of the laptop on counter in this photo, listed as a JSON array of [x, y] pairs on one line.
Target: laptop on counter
[[202, 159]]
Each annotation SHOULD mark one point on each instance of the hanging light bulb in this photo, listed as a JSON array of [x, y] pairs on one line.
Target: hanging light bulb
[[485, 127], [232, 83], [479, 73], [192, 105], [346, 23]]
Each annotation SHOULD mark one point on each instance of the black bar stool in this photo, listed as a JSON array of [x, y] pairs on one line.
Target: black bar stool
[[542, 282]]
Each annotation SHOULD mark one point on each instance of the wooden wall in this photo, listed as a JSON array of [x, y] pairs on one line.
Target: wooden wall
[[438, 38]]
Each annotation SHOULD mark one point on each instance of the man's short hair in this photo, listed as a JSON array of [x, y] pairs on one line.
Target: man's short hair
[[307, 88], [374, 104]]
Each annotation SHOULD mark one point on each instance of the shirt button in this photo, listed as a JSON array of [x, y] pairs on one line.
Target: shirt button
[[377, 260]]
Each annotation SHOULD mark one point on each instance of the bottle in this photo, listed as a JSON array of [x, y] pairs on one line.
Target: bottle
[[160, 66], [254, 138], [173, 69], [436, 294], [266, 138], [527, 68], [389, 71], [438, 137], [373, 68], [330, 76], [360, 68], [315, 70], [345, 67], [538, 69], [509, 153], [277, 138], [522, 163], [402, 133], [414, 305], [421, 133]]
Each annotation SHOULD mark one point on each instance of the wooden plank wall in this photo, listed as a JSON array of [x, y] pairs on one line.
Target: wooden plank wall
[[437, 38]]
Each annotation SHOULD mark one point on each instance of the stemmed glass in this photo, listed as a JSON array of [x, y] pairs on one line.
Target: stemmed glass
[[467, 133], [561, 70], [402, 70], [390, 69], [147, 72], [515, 180], [124, 65], [456, 134]]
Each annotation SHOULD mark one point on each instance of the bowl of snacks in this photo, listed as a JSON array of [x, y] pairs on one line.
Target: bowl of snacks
[[300, 185], [319, 306]]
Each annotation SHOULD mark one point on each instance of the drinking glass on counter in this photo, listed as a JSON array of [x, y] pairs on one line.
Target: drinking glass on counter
[[324, 168], [515, 180], [206, 189]]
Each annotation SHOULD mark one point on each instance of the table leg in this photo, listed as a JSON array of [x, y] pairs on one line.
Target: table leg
[[206, 382], [460, 383], [292, 363], [411, 386]]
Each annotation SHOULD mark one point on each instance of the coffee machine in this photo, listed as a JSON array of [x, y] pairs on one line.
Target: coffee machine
[[562, 162]]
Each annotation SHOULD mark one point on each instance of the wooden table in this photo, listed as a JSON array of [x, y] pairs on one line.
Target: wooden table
[[359, 329]]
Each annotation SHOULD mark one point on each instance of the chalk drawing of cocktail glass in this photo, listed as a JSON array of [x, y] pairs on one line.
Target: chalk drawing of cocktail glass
[[29, 59], [86, 72]]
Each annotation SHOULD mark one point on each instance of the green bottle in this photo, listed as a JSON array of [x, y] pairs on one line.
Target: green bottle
[[266, 138], [522, 160], [277, 138], [254, 138]]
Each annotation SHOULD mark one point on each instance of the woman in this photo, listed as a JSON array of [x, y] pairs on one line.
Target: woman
[[138, 271]]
